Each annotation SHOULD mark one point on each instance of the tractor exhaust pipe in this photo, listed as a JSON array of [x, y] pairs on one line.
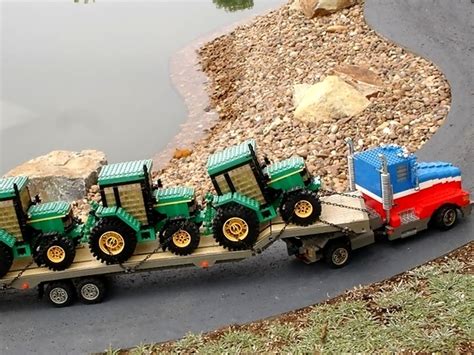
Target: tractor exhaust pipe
[[387, 193], [350, 164]]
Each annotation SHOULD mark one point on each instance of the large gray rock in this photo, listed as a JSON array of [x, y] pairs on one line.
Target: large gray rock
[[62, 175], [328, 100], [312, 8]]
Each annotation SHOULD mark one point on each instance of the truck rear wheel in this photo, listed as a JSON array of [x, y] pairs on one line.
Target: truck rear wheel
[[235, 227], [445, 217], [6, 259], [112, 242], [60, 293], [180, 237], [56, 252], [301, 207], [337, 254], [91, 290]]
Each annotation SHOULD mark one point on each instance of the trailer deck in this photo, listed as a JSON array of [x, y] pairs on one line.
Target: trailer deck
[[207, 254]]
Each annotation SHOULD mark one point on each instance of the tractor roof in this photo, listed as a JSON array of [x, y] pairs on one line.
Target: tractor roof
[[7, 189], [48, 210], [230, 157], [126, 172]]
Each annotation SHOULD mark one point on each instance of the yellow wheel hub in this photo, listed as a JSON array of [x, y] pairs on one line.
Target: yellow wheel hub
[[111, 243], [56, 254], [181, 238], [303, 209], [235, 229]]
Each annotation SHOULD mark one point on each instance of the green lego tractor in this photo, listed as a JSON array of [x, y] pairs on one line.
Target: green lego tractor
[[134, 211], [47, 232], [249, 193]]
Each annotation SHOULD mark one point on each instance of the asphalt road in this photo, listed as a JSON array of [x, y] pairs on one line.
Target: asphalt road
[[167, 304]]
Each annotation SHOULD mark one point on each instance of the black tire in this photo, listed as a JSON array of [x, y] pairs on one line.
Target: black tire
[[60, 293], [91, 290], [301, 207], [55, 251], [6, 259], [445, 218], [180, 237], [337, 254], [235, 227], [119, 247]]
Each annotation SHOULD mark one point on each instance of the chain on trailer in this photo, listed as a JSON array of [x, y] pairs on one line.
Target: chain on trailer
[[345, 230]]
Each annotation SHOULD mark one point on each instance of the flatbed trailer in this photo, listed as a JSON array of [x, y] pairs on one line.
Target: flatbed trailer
[[84, 278]]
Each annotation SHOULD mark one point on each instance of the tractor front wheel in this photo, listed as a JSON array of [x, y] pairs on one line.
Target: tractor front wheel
[[112, 242], [55, 251], [235, 227], [180, 237], [6, 259], [301, 207]]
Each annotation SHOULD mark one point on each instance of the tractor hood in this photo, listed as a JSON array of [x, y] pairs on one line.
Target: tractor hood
[[48, 210], [283, 168], [170, 195]]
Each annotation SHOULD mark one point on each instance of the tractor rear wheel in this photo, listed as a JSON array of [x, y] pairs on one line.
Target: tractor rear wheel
[[301, 207], [235, 227], [6, 259], [112, 242], [55, 251], [180, 237]]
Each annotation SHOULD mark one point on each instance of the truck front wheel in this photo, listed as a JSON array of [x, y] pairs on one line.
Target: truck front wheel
[[445, 217], [301, 207], [235, 227], [6, 259], [112, 242]]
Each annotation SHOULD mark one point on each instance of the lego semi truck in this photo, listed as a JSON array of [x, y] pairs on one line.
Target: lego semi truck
[[391, 194]]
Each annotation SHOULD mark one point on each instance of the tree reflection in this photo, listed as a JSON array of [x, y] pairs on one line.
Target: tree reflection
[[233, 5]]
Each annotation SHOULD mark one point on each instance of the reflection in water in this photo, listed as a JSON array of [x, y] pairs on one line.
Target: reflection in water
[[233, 5]]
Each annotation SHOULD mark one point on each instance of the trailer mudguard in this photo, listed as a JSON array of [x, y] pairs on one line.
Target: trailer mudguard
[[7, 239], [120, 213]]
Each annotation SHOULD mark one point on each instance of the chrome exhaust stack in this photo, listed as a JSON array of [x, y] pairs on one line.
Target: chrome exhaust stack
[[387, 193], [350, 164]]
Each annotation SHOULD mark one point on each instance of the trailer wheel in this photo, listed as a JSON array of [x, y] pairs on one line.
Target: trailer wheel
[[301, 207], [445, 217], [337, 254], [235, 227], [60, 293], [91, 290], [56, 252], [112, 242], [180, 237], [6, 259]]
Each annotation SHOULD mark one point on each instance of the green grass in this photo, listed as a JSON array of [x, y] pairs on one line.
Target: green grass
[[429, 309]]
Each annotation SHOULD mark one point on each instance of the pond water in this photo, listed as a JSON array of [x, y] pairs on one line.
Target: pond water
[[96, 76]]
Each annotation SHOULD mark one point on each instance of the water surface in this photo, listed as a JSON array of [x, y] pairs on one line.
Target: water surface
[[95, 76]]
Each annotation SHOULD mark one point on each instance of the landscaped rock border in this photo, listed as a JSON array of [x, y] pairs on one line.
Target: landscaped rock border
[[252, 71]]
